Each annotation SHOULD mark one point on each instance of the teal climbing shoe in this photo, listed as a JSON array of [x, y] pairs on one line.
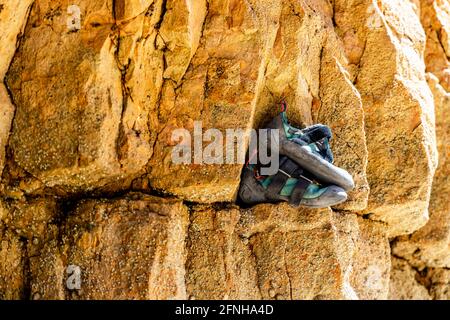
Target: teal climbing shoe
[[295, 144], [290, 184]]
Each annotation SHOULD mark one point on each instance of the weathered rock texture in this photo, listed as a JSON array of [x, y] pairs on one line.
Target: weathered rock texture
[[12, 269], [271, 252], [384, 41], [13, 16], [405, 283], [93, 90], [430, 245], [130, 248], [371, 263], [408, 283], [140, 247]]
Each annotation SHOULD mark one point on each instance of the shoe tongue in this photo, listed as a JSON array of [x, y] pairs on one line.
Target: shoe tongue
[[317, 138], [324, 149], [290, 130]]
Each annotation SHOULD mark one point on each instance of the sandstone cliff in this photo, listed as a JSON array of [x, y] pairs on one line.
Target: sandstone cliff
[[93, 90]]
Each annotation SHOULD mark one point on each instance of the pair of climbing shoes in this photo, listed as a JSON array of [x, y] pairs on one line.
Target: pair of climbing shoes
[[306, 174]]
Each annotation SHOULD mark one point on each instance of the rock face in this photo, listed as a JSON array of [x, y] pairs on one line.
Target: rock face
[[77, 135], [404, 284], [425, 254], [385, 46], [440, 283], [13, 15], [132, 248], [92, 205], [430, 245], [219, 88], [408, 283], [371, 263], [12, 272], [270, 252]]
